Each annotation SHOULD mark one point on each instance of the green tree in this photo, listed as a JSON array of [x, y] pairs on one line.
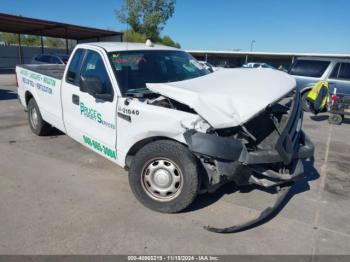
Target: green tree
[[147, 17], [54, 42], [30, 40], [132, 36], [166, 40], [10, 38]]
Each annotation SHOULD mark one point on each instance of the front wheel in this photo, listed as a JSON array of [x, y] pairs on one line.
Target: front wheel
[[164, 176]]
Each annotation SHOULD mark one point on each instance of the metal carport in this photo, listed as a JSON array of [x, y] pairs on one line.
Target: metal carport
[[30, 26]]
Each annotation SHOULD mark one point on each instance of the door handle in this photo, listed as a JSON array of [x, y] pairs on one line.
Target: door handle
[[75, 99]]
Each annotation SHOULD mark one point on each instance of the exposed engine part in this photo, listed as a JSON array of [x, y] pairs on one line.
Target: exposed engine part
[[169, 103], [248, 133], [262, 131]]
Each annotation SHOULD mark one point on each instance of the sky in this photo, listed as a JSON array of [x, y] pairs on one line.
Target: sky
[[275, 25]]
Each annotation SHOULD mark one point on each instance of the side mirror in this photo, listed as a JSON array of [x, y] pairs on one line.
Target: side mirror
[[94, 87], [91, 85]]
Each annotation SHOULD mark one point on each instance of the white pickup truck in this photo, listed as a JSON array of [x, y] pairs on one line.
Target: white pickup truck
[[176, 127]]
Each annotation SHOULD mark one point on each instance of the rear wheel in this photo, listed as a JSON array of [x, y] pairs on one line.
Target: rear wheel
[[36, 122], [164, 176]]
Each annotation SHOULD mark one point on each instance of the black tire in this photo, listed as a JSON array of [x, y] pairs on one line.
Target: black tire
[[38, 126], [177, 155], [305, 104], [335, 119]]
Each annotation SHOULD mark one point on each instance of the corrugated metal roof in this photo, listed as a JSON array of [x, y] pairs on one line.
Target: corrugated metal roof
[[31, 26]]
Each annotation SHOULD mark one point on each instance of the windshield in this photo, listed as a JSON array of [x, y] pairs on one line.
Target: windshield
[[133, 69]]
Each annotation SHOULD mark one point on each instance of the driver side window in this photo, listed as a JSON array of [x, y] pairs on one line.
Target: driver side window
[[93, 66]]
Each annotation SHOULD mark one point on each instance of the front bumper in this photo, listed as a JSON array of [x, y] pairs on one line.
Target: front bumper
[[268, 169], [233, 162], [304, 149]]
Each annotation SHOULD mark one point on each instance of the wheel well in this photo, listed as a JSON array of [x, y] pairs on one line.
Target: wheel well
[[28, 95], [140, 144]]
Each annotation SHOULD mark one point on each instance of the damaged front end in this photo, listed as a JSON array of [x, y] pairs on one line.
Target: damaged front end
[[266, 151]]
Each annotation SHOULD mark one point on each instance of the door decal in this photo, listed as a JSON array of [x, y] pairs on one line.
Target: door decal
[[94, 115]]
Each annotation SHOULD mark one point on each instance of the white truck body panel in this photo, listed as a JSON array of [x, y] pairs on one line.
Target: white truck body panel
[[149, 122]]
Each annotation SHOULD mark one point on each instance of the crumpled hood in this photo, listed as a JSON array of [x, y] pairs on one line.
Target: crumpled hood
[[230, 97]]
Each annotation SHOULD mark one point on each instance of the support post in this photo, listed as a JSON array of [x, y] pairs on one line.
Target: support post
[[42, 44], [20, 54], [67, 48], [246, 59]]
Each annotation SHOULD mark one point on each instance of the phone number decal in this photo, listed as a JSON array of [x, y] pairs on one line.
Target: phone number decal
[[101, 148]]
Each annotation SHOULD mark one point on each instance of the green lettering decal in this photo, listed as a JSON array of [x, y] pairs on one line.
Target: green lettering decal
[[81, 108], [49, 81], [42, 82], [99, 118], [94, 115], [108, 152]]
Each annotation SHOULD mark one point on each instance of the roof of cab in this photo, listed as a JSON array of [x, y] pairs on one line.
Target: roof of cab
[[125, 46]]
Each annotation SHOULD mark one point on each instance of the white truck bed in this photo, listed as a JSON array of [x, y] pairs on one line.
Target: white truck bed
[[55, 71]]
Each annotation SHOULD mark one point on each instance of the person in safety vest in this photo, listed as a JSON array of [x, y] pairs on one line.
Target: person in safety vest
[[318, 96]]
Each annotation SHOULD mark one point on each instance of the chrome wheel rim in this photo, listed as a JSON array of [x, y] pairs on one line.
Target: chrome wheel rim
[[162, 179], [34, 118]]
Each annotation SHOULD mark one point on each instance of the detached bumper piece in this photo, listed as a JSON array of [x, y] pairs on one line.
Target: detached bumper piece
[[282, 193], [268, 178]]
